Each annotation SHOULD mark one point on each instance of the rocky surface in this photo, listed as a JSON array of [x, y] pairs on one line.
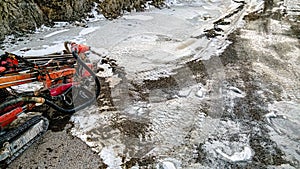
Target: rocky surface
[[18, 16], [113, 9], [65, 10]]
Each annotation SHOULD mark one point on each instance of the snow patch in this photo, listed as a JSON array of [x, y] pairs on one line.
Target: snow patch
[[85, 122], [106, 72], [89, 30], [95, 14], [60, 24], [138, 17], [44, 50], [34, 86], [244, 155], [283, 123], [110, 158], [42, 29], [56, 32], [168, 163]]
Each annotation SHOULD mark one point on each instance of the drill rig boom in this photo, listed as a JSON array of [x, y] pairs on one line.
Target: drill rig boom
[[58, 75]]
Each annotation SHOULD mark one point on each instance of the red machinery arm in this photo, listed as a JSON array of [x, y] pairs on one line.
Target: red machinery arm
[[14, 80]]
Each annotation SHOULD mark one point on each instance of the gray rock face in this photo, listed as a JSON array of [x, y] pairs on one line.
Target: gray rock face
[[19, 16], [64, 10], [112, 9]]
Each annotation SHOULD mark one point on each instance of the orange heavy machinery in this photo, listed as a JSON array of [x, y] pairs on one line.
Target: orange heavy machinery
[[60, 78]]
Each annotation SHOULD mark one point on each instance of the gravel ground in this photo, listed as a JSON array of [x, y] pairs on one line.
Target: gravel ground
[[58, 150]]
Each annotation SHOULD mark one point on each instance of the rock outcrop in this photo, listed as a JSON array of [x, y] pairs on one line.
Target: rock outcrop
[[112, 9], [65, 10], [18, 16]]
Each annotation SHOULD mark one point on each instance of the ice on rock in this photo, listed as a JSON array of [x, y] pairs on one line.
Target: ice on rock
[[184, 92], [109, 157], [60, 24], [107, 70], [168, 163], [199, 93], [244, 155]]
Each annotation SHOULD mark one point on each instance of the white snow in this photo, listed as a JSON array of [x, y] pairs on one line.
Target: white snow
[[201, 92], [43, 50], [60, 24], [284, 122], [33, 86], [138, 17], [42, 29], [107, 72], [89, 30], [96, 15], [169, 163], [292, 5], [56, 32], [148, 46], [109, 158], [244, 155]]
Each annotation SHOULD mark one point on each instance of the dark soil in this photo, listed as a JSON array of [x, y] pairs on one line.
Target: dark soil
[[131, 128]]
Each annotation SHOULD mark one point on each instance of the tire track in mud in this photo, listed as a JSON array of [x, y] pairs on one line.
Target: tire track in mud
[[250, 111], [167, 121], [244, 115], [173, 116]]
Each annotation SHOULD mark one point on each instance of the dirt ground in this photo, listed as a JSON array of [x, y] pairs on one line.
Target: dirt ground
[[58, 150]]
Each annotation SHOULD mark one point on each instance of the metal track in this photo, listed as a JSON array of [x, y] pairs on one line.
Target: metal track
[[15, 142]]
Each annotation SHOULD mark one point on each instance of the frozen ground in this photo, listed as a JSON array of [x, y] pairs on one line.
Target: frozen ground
[[203, 84]]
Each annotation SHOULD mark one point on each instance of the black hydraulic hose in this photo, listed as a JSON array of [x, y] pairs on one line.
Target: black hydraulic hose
[[88, 103], [24, 99], [90, 71]]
